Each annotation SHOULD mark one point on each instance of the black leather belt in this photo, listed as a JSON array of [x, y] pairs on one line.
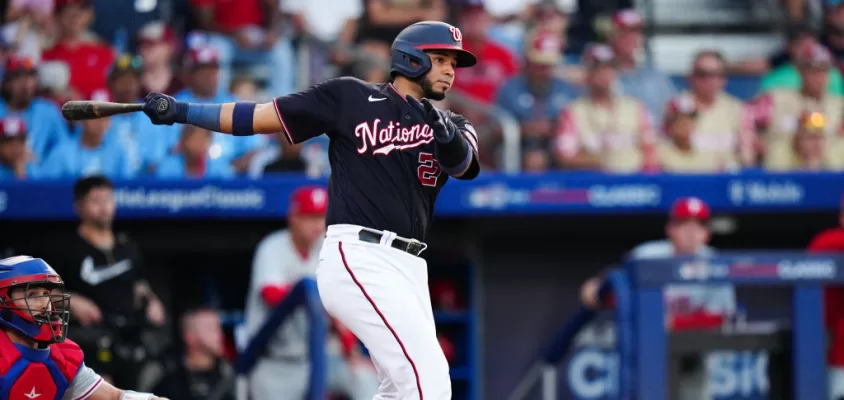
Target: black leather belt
[[411, 246]]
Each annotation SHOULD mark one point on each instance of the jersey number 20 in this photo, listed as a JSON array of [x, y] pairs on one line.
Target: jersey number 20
[[429, 170]]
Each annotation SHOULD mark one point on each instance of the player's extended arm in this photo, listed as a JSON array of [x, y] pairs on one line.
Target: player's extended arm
[[241, 118], [105, 391], [88, 384]]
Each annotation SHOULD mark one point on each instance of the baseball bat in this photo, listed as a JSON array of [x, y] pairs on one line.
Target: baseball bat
[[82, 110]]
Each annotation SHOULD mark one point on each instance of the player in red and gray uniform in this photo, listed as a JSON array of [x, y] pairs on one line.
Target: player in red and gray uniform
[[687, 306], [281, 260]]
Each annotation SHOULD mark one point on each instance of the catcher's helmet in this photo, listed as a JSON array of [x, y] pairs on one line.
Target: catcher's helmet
[[410, 45], [45, 324]]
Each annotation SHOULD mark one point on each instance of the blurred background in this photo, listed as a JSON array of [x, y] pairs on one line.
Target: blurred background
[[686, 126]]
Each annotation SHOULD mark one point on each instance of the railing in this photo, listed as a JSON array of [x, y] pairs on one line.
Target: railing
[[510, 157], [545, 368], [303, 294]]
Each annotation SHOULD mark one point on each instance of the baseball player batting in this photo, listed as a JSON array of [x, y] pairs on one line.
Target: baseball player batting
[[391, 151]]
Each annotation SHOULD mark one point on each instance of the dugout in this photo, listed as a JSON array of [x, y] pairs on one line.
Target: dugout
[[527, 269]]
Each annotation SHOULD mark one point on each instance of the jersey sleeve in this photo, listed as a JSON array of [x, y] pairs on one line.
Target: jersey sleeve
[[83, 384], [265, 264], [311, 112]]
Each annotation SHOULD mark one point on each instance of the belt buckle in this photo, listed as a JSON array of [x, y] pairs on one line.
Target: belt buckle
[[414, 247]]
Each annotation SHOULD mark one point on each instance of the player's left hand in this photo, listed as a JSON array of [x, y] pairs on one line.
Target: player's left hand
[[163, 109], [442, 126]]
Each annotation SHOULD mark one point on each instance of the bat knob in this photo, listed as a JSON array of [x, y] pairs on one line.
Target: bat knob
[[163, 106]]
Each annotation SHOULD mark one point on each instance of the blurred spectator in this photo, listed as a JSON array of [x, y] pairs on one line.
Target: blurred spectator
[[282, 157], [832, 35], [811, 150], [47, 129], [513, 19], [54, 82], [496, 64], [125, 19], [201, 372], [7, 49], [104, 271], [648, 84], [723, 136], [535, 97], [244, 88], [15, 160], [192, 159], [687, 306], [241, 35], [281, 260], [157, 47], [143, 143], [779, 69], [552, 17], [677, 154], [785, 74], [832, 241], [374, 68], [330, 29], [384, 19], [89, 153], [777, 112], [201, 70], [29, 27], [87, 57], [602, 130]]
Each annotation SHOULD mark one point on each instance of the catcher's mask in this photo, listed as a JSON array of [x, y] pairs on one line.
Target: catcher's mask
[[32, 299]]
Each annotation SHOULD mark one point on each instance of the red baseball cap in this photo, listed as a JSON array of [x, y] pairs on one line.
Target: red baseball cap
[[690, 208], [157, 32], [814, 55], [309, 200], [627, 19], [202, 56], [12, 127], [544, 48], [17, 63]]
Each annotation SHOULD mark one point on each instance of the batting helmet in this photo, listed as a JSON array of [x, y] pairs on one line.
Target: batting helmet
[[410, 45]]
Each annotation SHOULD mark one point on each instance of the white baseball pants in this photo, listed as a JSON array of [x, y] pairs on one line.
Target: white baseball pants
[[381, 295]]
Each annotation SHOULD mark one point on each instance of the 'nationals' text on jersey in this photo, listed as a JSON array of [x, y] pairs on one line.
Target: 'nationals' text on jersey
[[384, 173]]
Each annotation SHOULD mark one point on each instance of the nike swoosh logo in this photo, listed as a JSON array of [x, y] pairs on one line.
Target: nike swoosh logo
[[372, 99], [96, 275]]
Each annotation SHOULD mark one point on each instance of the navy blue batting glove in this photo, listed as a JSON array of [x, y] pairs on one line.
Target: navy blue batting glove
[[164, 110], [442, 126]]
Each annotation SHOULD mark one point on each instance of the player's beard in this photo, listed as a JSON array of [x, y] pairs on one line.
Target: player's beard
[[428, 91]]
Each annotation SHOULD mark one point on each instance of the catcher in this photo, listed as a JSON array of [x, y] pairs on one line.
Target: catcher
[[36, 362]]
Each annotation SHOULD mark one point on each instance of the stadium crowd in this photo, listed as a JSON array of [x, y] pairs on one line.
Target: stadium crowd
[[582, 100]]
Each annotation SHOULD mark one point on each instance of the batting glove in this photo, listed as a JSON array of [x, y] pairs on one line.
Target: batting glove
[[442, 126], [164, 110]]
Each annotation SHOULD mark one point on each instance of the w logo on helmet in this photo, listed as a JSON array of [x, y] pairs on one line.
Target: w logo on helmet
[[456, 34]]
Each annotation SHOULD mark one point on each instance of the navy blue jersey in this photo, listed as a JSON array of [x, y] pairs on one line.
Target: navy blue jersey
[[384, 172]]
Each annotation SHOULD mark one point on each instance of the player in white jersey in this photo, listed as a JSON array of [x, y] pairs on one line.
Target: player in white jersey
[[281, 260], [687, 306]]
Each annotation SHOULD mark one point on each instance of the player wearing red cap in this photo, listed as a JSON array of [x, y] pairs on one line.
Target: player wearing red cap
[[281, 260], [688, 306]]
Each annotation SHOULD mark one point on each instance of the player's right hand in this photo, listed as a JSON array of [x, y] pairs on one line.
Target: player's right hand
[[162, 109]]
